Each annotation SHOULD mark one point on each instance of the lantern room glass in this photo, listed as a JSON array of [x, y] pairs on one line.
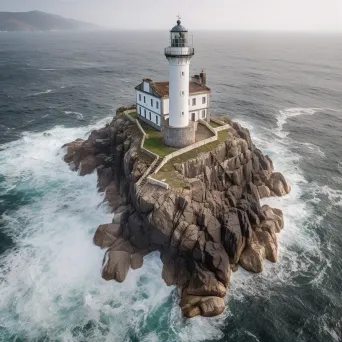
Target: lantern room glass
[[179, 39]]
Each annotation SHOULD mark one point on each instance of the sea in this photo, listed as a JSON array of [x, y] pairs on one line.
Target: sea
[[286, 88]]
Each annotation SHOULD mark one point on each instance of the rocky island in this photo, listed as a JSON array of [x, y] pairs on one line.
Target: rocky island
[[201, 210]]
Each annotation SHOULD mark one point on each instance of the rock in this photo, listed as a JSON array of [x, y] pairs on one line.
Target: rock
[[212, 225], [211, 306], [106, 235], [197, 189], [204, 283], [137, 261], [113, 196], [203, 230], [266, 240], [264, 191], [236, 231], [104, 177], [175, 272], [252, 258], [218, 262], [87, 165], [116, 265], [189, 238]]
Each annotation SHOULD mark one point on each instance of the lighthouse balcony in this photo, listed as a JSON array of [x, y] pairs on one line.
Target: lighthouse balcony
[[173, 51]]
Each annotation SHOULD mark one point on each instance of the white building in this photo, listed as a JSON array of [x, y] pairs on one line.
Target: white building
[[152, 100], [176, 103]]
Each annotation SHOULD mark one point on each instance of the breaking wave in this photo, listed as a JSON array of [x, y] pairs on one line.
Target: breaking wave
[[42, 92], [51, 283], [78, 115]]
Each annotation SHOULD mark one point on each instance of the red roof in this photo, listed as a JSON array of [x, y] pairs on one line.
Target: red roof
[[161, 89]]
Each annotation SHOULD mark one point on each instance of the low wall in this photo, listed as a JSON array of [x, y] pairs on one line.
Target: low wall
[[149, 153], [219, 122], [147, 172], [157, 182], [206, 124], [222, 128], [184, 150]]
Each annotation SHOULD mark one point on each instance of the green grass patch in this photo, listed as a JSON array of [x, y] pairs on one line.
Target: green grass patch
[[133, 115], [168, 167], [173, 178], [155, 142]]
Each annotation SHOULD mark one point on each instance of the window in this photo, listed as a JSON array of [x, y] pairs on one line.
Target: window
[[182, 113], [193, 116], [139, 110], [150, 116], [144, 99], [139, 97], [204, 99], [182, 73], [182, 93], [194, 102], [151, 102], [145, 113], [203, 114], [157, 104], [157, 120]]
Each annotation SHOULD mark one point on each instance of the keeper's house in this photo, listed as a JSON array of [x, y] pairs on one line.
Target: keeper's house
[[153, 100]]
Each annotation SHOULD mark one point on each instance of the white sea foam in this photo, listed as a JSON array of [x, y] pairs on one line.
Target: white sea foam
[[78, 115], [297, 242], [42, 92], [290, 113], [51, 282]]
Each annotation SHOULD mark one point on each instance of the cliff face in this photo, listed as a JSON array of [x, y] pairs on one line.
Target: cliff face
[[203, 231]]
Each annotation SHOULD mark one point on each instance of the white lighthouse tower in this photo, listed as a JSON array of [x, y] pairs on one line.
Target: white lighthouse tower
[[179, 131]]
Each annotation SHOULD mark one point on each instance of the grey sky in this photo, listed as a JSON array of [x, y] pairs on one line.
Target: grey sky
[[317, 15]]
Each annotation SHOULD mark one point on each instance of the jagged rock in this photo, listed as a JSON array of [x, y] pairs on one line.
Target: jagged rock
[[116, 265], [87, 165], [252, 258], [264, 191], [217, 260], [113, 196], [266, 240], [189, 238], [236, 232], [197, 189], [137, 261], [104, 177], [202, 231], [175, 272], [106, 235], [212, 225], [211, 306], [204, 283]]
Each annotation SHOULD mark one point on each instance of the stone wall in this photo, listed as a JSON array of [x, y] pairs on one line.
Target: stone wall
[[157, 182], [184, 150], [179, 136]]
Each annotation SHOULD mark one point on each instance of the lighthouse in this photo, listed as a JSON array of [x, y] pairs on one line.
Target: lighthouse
[[179, 131]]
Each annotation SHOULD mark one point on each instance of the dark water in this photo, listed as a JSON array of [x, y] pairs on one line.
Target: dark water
[[286, 88]]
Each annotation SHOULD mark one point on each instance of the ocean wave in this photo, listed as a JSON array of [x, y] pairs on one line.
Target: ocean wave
[[42, 92], [78, 115], [51, 284], [299, 247], [290, 113]]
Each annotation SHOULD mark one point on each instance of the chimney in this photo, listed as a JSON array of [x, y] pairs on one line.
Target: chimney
[[203, 77], [196, 79]]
